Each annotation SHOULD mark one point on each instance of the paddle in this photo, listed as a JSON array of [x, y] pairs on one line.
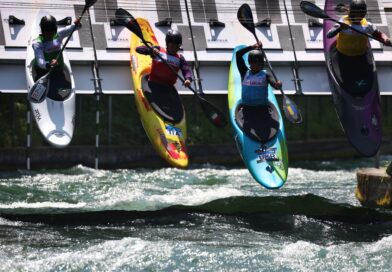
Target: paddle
[[290, 109], [312, 10], [40, 88], [213, 114]]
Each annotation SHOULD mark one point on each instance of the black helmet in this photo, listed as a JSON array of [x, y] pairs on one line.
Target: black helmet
[[256, 56], [48, 23], [358, 7], [173, 36]]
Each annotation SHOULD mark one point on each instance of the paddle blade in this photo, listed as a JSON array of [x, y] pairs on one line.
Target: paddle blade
[[312, 10], [245, 17], [214, 115], [89, 3], [124, 18], [291, 111], [39, 90]]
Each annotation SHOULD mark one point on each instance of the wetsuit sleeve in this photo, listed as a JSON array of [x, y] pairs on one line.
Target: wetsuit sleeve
[[240, 60], [270, 79], [380, 35], [39, 55], [334, 31], [64, 32], [372, 30], [185, 68], [144, 50]]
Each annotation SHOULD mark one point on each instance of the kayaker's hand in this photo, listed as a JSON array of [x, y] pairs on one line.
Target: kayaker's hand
[[388, 42], [343, 27], [258, 45], [53, 62], [278, 84], [77, 22], [187, 83], [155, 51]]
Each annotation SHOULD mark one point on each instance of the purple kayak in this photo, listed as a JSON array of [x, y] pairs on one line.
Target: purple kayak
[[355, 91]]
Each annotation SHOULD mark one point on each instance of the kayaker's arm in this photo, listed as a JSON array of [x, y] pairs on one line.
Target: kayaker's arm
[[39, 55], [64, 32], [144, 50], [382, 36], [274, 83], [334, 31], [185, 69], [242, 68]]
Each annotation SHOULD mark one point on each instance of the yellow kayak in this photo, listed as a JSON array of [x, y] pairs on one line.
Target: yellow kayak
[[166, 133]]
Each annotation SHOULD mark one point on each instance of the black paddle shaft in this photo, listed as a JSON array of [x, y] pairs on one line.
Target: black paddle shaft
[[313, 10], [88, 4], [44, 81], [245, 17]]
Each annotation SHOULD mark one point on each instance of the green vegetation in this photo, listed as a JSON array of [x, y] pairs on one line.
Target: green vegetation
[[320, 121]]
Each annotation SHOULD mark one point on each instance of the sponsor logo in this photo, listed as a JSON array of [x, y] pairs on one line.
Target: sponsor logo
[[134, 63], [37, 115], [361, 83], [172, 60], [279, 164], [266, 154], [173, 148], [218, 40], [269, 169], [38, 92], [252, 80], [374, 121], [174, 131], [144, 101], [162, 137]]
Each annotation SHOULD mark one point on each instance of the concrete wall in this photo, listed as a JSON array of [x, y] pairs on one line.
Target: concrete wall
[[213, 44]]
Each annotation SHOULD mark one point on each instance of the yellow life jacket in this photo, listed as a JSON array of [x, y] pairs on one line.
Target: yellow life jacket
[[351, 43]]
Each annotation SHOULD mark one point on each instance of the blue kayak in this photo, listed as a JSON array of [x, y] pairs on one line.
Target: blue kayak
[[265, 157]]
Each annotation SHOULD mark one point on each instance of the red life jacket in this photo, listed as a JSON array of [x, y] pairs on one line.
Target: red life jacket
[[160, 73]]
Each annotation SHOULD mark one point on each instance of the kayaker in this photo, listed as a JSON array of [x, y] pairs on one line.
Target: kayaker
[[48, 44], [255, 80], [259, 119], [160, 73], [352, 46]]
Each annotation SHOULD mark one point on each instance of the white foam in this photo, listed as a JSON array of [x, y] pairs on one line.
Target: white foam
[[5, 222], [187, 195], [112, 255], [382, 245], [42, 205]]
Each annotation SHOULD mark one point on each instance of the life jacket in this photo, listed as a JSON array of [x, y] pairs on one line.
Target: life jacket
[[351, 43], [52, 49], [255, 88], [160, 73]]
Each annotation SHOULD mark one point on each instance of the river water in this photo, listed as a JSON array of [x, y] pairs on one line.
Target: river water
[[206, 218]]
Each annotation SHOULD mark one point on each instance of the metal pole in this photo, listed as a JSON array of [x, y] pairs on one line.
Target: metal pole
[[110, 120], [98, 91], [389, 169], [297, 81], [28, 140], [377, 160], [199, 87]]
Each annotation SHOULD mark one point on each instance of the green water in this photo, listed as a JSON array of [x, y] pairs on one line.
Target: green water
[[208, 218]]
